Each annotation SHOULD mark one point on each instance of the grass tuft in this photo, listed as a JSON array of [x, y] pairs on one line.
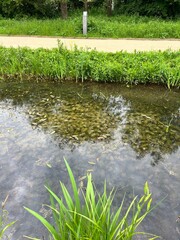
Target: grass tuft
[[92, 217]]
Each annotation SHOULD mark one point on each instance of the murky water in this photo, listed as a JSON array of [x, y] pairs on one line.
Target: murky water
[[124, 135]]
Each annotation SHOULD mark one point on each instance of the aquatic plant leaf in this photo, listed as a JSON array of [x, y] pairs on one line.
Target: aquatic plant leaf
[[74, 186], [95, 219], [49, 227], [5, 228]]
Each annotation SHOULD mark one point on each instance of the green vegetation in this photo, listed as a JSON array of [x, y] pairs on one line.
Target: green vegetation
[[62, 64], [94, 217], [160, 8], [98, 26], [51, 8]]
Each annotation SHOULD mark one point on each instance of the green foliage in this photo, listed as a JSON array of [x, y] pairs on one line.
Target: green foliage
[[9, 7], [92, 216], [50, 8], [20, 8], [160, 8], [98, 26], [62, 64]]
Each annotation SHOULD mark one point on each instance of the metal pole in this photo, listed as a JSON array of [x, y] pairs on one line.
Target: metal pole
[[85, 23]]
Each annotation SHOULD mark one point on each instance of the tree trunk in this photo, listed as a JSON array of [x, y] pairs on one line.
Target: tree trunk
[[85, 5], [63, 9], [109, 8]]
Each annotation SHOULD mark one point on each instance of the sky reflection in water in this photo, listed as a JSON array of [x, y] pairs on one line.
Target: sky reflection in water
[[126, 136]]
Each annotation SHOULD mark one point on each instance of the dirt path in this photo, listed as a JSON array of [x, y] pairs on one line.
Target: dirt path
[[106, 45]]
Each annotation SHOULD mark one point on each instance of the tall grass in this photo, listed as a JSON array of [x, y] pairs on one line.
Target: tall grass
[[93, 217], [121, 67], [99, 25]]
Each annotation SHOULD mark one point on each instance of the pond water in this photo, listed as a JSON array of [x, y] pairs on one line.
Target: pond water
[[126, 135]]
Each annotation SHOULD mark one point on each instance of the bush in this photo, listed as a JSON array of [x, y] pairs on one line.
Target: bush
[[160, 8], [8, 8], [20, 8]]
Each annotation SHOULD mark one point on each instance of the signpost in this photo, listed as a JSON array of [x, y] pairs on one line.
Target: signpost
[[85, 23]]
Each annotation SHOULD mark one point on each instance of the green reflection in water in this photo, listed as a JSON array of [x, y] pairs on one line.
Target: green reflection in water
[[73, 120], [146, 133], [75, 113], [152, 119]]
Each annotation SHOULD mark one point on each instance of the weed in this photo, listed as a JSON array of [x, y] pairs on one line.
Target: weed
[[94, 218], [99, 25], [77, 64]]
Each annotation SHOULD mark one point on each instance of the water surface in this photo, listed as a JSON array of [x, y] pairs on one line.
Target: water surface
[[125, 135]]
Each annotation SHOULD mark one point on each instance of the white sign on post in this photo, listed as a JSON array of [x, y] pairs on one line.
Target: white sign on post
[[84, 23]]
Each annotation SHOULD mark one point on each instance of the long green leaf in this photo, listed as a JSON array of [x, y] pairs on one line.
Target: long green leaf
[[69, 200], [5, 228], [114, 223], [49, 227], [74, 186]]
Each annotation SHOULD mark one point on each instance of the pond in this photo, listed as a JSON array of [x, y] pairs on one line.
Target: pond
[[126, 135]]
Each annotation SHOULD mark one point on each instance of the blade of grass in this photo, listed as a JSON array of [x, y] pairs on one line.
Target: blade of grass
[[74, 187], [49, 227]]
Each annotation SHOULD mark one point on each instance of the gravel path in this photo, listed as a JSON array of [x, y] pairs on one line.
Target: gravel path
[[106, 45]]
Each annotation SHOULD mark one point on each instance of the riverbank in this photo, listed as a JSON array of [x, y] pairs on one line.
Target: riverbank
[[82, 65]]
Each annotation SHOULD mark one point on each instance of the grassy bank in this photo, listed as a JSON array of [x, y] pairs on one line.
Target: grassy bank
[[80, 65], [98, 26]]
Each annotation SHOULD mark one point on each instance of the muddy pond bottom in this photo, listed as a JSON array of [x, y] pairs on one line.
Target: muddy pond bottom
[[125, 135]]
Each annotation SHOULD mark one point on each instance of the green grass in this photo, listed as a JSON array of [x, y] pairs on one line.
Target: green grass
[[99, 26], [92, 217], [61, 64]]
